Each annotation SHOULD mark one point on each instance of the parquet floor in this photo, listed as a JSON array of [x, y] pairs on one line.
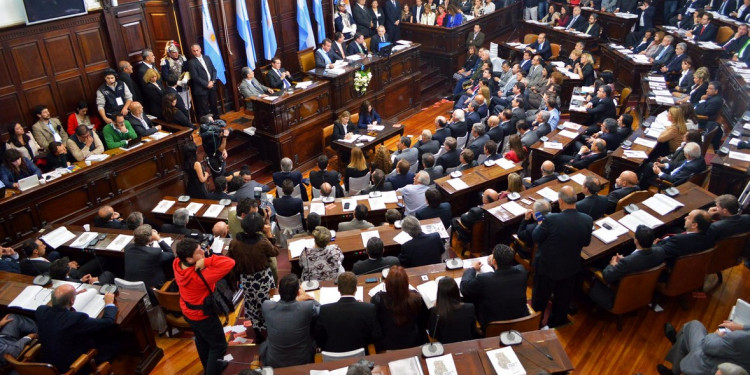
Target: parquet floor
[[592, 341]]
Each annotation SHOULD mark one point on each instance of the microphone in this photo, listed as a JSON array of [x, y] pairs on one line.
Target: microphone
[[532, 344], [41, 278], [105, 288], [433, 349]]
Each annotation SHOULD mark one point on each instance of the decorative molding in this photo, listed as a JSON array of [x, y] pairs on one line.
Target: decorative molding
[[24, 31]]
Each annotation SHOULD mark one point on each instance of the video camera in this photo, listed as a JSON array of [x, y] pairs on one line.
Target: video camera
[[213, 128]]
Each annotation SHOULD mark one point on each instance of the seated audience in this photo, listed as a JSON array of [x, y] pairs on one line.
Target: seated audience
[[515, 185], [323, 174], [585, 157], [15, 167], [402, 176], [728, 220], [80, 117], [442, 131], [323, 262], [37, 260], [16, 331], [381, 160], [57, 156], [466, 159], [405, 152], [220, 230], [288, 205], [375, 261], [626, 183], [84, 143], [422, 249], [146, 263], [516, 150], [695, 351], [343, 127], [428, 165], [61, 270], [180, 219], [401, 312], [426, 144], [357, 166], [592, 203], [171, 112], [548, 174], [451, 320], [47, 128], [220, 190], [378, 182], [247, 190], [313, 221], [134, 220], [463, 224], [450, 158], [678, 174], [359, 221], [674, 133], [107, 217], [118, 132], [22, 141], [435, 207], [413, 194], [296, 177], [392, 215], [140, 122], [694, 239], [498, 295]]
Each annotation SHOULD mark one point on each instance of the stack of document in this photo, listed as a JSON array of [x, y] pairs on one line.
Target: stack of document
[[428, 291], [83, 240], [58, 237], [548, 194], [505, 163], [213, 210], [662, 204], [31, 297], [609, 235], [193, 208], [645, 142], [505, 361], [406, 366], [568, 134], [640, 217], [457, 184], [635, 154], [438, 228], [119, 243], [296, 247]]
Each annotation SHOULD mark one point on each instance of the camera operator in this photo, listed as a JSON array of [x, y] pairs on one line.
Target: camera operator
[[214, 134]]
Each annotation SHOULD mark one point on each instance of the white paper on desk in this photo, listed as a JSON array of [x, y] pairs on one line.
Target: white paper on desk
[[376, 204], [442, 365], [438, 228], [667, 100], [306, 84], [625, 15], [468, 263], [406, 366], [505, 361], [604, 235], [97, 157], [645, 142], [640, 217], [746, 126], [571, 125], [318, 208], [163, 206], [159, 135], [119, 242], [514, 208], [366, 138], [428, 291], [352, 204], [389, 197], [369, 234], [568, 134], [32, 297], [504, 163], [338, 371], [213, 210], [734, 141], [662, 92], [548, 194], [662, 204], [739, 156], [402, 238], [617, 229], [361, 197], [635, 154], [89, 302], [83, 240], [217, 246], [653, 132], [296, 246], [553, 145], [457, 183], [58, 237], [579, 178], [193, 208]]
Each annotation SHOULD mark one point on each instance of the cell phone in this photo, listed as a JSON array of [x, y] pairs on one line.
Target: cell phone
[[371, 280], [723, 330], [346, 205], [607, 226], [101, 236], [539, 216], [93, 242]]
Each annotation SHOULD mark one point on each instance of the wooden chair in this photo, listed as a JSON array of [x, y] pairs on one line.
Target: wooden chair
[[634, 197], [624, 97], [170, 304], [264, 74], [707, 138], [530, 38], [698, 179], [555, 48], [527, 263], [37, 368], [727, 254], [326, 140], [525, 324], [306, 59], [354, 117], [367, 43], [686, 275], [473, 249], [633, 291], [597, 167], [724, 34], [636, 118]]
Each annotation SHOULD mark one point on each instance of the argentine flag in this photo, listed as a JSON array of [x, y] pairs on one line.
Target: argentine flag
[[318, 12], [243, 28], [210, 46], [306, 35], [269, 38]]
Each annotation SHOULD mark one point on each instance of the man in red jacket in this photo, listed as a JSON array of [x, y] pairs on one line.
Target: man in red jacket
[[209, 334]]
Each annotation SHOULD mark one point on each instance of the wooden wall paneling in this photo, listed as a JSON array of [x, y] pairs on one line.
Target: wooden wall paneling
[[62, 56], [49, 209], [160, 18], [93, 47], [133, 176], [5, 231], [22, 222], [128, 31], [74, 90]]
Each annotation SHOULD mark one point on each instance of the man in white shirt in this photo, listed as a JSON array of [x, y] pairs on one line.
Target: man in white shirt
[[414, 194]]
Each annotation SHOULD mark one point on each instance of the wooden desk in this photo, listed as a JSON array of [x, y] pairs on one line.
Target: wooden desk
[[566, 39], [136, 179], [539, 154], [469, 357], [647, 104], [691, 195], [728, 175], [734, 89], [209, 221], [390, 130], [708, 57], [478, 178], [621, 163], [131, 318], [613, 26], [445, 48], [626, 71], [335, 213]]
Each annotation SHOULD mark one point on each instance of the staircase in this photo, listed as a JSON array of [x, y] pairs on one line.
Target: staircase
[[433, 85]]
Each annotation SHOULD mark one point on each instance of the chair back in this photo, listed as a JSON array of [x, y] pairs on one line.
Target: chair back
[[354, 117], [367, 43], [724, 34], [357, 184], [636, 290], [636, 118], [327, 134], [295, 193], [599, 166], [530, 38], [134, 285], [687, 274], [290, 224], [624, 96], [525, 324], [335, 356], [306, 59], [31, 368], [700, 178], [264, 74], [461, 142], [634, 197], [555, 48], [727, 253], [316, 192], [707, 138], [169, 301]]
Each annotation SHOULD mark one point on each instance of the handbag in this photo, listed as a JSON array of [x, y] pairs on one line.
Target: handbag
[[219, 302]]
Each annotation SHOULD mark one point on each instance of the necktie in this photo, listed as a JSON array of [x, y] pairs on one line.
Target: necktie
[[572, 22], [589, 28], [723, 7], [674, 172], [286, 83], [359, 47], [703, 29], [252, 82], [661, 54]]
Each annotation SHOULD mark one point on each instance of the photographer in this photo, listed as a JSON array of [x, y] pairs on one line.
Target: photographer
[[214, 134]]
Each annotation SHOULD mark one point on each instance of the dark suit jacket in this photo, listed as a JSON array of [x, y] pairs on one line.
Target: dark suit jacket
[[544, 179], [675, 63], [728, 227], [135, 89], [180, 103], [139, 127], [398, 180], [683, 244], [544, 49], [617, 194], [471, 119], [449, 159], [174, 229], [458, 128], [339, 131], [583, 161], [295, 176], [320, 62], [613, 140], [153, 95], [352, 49], [648, 18], [433, 146], [602, 109], [274, 80], [580, 22], [630, 6], [140, 70], [362, 267], [347, 325], [441, 134], [65, 334], [695, 95], [290, 206], [525, 230], [318, 177], [339, 53], [686, 83], [146, 263], [459, 325], [593, 205], [392, 13], [496, 134], [561, 238], [376, 40], [595, 29], [248, 190], [708, 35], [692, 167], [198, 77], [710, 107], [376, 21], [477, 145], [362, 18], [422, 250], [499, 295], [443, 211], [640, 260], [477, 41]]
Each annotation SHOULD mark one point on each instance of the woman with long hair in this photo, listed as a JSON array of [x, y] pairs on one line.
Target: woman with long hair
[[80, 117], [477, 10], [343, 126], [22, 141], [515, 185], [455, 16], [585, 69], [428, 17], [552, 16], [517, 151], [357, 166], [367, 115], [440, 16], [674, 133], [252, 250], [406, 15], [563, 18], [401, 312], [382, 160], [16, 167], [172, 113], [456, 321], [196, 175]]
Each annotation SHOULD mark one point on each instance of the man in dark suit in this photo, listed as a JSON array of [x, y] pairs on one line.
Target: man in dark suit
[[180, 219], [66, 334], [426, 144], [442, 130], [401, 175], [494, 130], [694, 239], [591, 28], [592, 203], [498, 295], [665, 51], [601, 107], [148, 61], [451, 157], [475, 37], [107, 217], [247, 190], [392, 12], [625, 184], [202, 82], [435, 208], [379, 37], [478, 139], [417, 11], [738, 41], [541, 47], [357, 45], [711, 103], [140, 122], [577, 20], [560, 238], [626, 6], [729, 222], [324, 57], [645, 20], [124, 74], [679, 173], [428, 165], [585, 157], [347, 324], [548, 174], [287, 205], [458, 123], [706, 31], [674, 65], [146, 263], [322, 175], [472, 117], [375, 261], [278, 77], [725, 7], [362, 18], [620, 266], [38, 261], [287, 173], [422, 249]]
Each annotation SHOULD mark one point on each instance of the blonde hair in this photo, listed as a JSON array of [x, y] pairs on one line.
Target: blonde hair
[[589, 59], [150, 74], [344, 114], [701, 73], [358, 161], [514, 183], [382, 160], [678, 119]]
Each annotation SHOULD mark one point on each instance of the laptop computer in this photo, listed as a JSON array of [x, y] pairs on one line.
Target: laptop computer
[[28, 182], [740, 312], [385, 49], [133, 143]]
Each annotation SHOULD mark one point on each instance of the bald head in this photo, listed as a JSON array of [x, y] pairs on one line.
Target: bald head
[[493, 121], [64, 296], [627, 179], [106, 212], [567, 197], [489, 196], [548, 167], [220, 229]]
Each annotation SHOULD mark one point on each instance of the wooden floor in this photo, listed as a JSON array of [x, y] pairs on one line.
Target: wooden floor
[[592, 341]]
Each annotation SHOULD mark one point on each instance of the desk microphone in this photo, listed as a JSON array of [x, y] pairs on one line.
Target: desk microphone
[[532, 344], [433, 349], [264, 371], [41, 278], [105, 288]]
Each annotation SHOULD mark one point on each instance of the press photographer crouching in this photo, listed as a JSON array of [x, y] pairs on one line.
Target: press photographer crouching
[[214, 134]]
